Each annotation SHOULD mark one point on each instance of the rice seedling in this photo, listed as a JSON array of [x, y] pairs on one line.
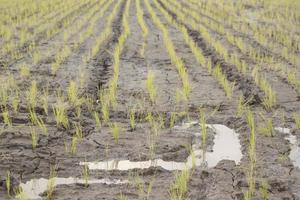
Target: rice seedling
[[115, 131], [97, 120], [172, 119], [156, 123], [266, 127], [24, 71], [179, 187], [144, 191], [105, 112], [242, 106], [74, 143], [152, 146], [32, 95], [6, 117], [51, 182], [142, 24], [203, 134], [175, 59], [20, 194], [132, 119], [60, 113], [8, 183], [122, 197], [86, 175], [150, 87], [297, 119], [33, 137], [228, 88], [264, 190], [15, 102], [73, 93], [78, 131], [252, 156]]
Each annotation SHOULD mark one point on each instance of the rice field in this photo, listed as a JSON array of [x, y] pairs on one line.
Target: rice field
[[150, 99]]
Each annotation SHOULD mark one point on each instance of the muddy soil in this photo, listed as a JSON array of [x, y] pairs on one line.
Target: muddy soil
[[226, 179]]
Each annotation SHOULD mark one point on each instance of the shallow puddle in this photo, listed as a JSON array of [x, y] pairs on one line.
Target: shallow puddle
[[226, 146], [295, 150], [34, 188]]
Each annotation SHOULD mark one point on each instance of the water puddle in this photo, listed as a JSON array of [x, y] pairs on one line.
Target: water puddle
[[295, 150], [226, 146], [34, 188]]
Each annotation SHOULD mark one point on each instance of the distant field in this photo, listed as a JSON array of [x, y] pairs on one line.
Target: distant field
[[150, 99]]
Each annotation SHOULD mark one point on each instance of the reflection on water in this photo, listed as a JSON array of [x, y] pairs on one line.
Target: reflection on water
[[226, 146], [34, 188]]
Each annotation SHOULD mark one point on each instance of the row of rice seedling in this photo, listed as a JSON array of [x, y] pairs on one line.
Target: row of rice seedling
[[34, 13], [202, 60], [248, 49], [140, 18], [184, 92], [108, 96], [105, 34], [66, 50], [184, 14], [46, 30]]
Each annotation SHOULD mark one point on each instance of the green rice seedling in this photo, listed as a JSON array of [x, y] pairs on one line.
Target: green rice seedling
[[132, 119], [42, 126], [152, 147], [24, 71], [97, 120], [122, 197], [104, 102], [6, 117], [60, 113], [156, 123], [33, 137], [252, 155], [8, 183], [283, 157], [4, 93], [269, 99], [86, 175], [115, 130], [78, 131], [15, 102], [266, 128], [150, 87], [203, 134], [105, 112], [264, 190], [74, 143], [73, 93], [173, 119], [33, 117], [32, 95], [89, 102], [242, 106], [20, 194], [218, 74], [297, 119], [51, 182], [144, 192], [179, 187]]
